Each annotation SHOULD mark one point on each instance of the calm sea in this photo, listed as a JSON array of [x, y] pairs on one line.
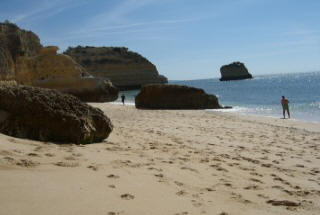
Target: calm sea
[[262, 95]]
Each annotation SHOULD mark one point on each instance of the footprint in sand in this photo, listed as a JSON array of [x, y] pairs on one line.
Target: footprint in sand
[[27, 163], [252, 187], [189, 168], [114, 213], [182, 213], [181, 193], [283, 203], [239, 198], [196, 204], [262, 196], [256, 180], [5, 152], [268, 165], [153, 168], [33, 155], [12, 140], [314, 171], [178, 183], [219, 168], [127, 196], [159, 175], [67, 164], [49, 155], [113, 176], [9, 160], [256, 174], [93, 167], [70, 158], [38, 148], [77, 154], [67, 147]]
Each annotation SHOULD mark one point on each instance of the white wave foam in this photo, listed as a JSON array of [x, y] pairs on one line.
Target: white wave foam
[[120, 103], [233, 109]]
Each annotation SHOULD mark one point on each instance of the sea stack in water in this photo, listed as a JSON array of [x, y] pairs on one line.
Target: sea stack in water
[[234, 71], [48, 115], [126, 69], [159, 96], [25, 60]]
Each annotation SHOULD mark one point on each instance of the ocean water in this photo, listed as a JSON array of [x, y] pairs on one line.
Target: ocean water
[[262, 95]]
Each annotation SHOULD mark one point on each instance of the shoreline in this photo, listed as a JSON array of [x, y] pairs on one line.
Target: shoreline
[[313, 125], [168, 162], [298, 123]]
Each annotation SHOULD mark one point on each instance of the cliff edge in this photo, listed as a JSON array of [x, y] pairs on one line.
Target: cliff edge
[[25, 60], [125, 69]]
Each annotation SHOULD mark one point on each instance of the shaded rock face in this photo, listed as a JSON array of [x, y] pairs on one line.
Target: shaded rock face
[[234, 71], [60, 72], [14, 43], [126, 69], [22, 58], [157, 96], [48, 115]]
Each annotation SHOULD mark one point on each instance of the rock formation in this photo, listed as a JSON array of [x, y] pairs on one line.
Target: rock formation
[[22, 58], [125, 69], [48, 115], [234, 71], [157, 96]]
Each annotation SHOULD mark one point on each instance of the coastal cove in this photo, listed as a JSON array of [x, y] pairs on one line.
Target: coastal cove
[[159, 107], [261, 96]]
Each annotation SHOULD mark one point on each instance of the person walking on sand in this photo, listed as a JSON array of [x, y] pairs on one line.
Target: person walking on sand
[[285, 107], [123, 98]]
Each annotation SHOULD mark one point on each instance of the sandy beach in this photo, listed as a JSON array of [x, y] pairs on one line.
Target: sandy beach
[[159, 162]]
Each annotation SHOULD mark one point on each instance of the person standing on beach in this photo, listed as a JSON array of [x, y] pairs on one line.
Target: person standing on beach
[[285, 107], [123, 98]]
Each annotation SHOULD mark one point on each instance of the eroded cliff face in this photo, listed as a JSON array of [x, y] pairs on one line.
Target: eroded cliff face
[[125, 69], [22, 58], [234, 71], [15, 43]]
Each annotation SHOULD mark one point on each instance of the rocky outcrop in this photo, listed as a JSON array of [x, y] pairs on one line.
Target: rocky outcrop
[[14, 43], [55, 71], [48, 115], [234, 71], [125, 69], [22, 58], [157, 96]]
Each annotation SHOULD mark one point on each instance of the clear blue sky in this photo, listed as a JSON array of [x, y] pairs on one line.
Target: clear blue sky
[[185, 39]]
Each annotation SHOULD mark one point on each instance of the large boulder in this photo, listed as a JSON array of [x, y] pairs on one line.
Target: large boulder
[[48, 115], [234, 71], [126, 69], [24, 59], [158, 96]]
